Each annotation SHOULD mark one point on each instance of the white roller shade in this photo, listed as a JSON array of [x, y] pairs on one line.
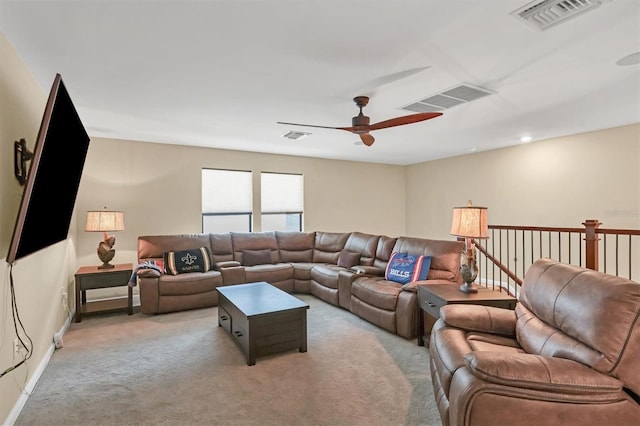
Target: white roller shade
[[226, 191], [281, 192]]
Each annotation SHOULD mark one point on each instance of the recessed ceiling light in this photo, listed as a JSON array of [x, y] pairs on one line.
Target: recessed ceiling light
[[526, 139], [633, 59]]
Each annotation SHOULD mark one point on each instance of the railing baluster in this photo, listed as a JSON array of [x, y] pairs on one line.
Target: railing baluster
[[630, 256], [617, 251], [605, 254], [580, 249]]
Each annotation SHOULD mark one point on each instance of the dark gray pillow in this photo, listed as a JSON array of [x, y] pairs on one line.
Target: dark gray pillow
[[347, 259], [256, 257]]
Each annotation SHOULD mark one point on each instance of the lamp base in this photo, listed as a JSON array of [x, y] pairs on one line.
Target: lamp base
[[467, 288], [106, 252], [106, 266]]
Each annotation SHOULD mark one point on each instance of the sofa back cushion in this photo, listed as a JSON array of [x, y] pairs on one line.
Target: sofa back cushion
[[221, 247], [365, 244], [254, 241], [571, 312], [328, 246], [153, 247], [384, 249], [445, 255], [295, 246]]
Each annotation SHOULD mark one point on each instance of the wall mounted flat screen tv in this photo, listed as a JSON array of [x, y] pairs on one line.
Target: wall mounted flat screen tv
[[53, 178]]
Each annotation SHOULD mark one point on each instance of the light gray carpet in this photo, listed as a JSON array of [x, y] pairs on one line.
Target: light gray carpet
[[182, 369]]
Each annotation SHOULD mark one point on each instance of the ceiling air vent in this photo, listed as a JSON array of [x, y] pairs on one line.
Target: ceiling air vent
[[295, 135], [547, 13], [448, 99]]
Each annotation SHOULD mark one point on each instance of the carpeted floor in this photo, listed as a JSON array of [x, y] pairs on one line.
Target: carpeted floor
[[182, 369]]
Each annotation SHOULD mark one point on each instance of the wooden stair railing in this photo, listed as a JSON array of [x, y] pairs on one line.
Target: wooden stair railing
[[505, 257]]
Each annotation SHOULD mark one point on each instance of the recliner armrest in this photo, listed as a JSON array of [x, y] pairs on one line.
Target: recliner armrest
[[537, 372], [485, 319]]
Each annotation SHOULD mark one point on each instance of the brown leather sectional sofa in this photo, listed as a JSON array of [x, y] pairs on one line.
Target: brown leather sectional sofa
[[301, 262], [567, 355]]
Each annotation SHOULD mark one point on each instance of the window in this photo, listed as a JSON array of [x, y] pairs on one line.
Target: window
[[227, 201], [282, 201]]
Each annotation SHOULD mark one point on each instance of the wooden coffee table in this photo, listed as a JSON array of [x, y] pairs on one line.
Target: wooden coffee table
[[262, 319]]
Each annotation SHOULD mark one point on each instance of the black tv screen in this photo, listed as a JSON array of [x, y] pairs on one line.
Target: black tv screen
[[53, 178]]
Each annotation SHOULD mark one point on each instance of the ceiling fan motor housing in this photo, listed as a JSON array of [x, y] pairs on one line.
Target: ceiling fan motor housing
[[360, 123]]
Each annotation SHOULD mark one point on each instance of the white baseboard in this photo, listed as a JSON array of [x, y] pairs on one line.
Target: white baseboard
[[33, 381]]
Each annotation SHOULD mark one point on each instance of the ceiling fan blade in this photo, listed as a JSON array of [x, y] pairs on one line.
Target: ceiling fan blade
[[367, 139], [311, 125], [406, 119], [348, 129]]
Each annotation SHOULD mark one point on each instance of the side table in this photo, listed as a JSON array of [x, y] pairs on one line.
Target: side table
[[431, 297], [91, 278]]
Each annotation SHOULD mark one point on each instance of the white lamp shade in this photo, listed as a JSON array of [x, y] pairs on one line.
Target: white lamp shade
[[470, 222], [104, 221]]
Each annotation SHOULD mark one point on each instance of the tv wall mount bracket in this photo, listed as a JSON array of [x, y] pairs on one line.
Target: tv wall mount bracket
[[21, 155]]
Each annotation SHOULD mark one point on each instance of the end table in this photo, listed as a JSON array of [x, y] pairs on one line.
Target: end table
[[431, 297], [91, 278]]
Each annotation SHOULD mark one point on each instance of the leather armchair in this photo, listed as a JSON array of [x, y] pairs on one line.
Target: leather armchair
[[568, 355]]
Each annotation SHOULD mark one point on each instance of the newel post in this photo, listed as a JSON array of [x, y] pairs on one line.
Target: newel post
[[591, 243]]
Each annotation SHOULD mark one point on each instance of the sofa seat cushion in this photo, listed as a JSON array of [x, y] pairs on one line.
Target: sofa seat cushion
[[326, 275], [493, 343], [271, 273], [302, 270], [189, 283], [377, 292]]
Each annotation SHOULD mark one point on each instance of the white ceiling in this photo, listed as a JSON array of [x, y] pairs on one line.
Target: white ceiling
[[221, 73]]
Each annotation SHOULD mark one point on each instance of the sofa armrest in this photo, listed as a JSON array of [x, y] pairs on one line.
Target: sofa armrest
[[149, 293], [226, 264], [372, 271], [149, 273], [485, 319], [413, 286], [537, 372]]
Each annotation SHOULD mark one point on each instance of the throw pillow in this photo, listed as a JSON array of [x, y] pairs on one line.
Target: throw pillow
[[404, 268], [193, 260], [347, 259], [256, 257]]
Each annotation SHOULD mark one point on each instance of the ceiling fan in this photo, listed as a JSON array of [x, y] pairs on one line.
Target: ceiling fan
[[360, 123]]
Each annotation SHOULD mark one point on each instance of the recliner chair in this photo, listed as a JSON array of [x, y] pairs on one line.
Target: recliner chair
[[568, 355]]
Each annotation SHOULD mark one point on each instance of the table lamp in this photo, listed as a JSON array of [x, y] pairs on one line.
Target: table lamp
[[105, 221], [469, 222]]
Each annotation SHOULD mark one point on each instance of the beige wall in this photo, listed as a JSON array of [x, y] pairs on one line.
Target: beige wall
[[158, 186], [38, 279], [557, 182]]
